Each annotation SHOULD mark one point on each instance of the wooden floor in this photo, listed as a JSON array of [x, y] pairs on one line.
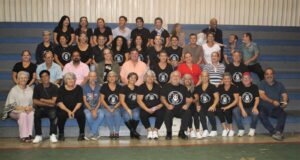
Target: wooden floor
[[126, 142]]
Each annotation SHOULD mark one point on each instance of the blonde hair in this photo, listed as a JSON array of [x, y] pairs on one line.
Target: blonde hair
[[185, 77]]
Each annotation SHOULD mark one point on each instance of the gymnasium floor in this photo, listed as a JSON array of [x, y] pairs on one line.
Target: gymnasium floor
[[239, 148]]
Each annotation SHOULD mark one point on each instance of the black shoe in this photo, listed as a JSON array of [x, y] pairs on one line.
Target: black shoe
[[136, 134], [61, 137], [80, 137], [111, 135], [116, 135], [169, 136], [182, 135]]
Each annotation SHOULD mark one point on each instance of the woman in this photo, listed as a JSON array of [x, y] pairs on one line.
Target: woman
[[153, 52], [149, 100], [215, 69], [176, 31], [102, 29], [109, 97], [131, 109], [69, 102], [209, 47], [187, 81], [104, 67], [228, 100], [91, 99], [188, 67], [62, 52], [83, 28], [44, 46], [141, 47], [64, 27], [19, 99], [25, 65], [120, 50], [207, 98], [162, 69], [85, 50]]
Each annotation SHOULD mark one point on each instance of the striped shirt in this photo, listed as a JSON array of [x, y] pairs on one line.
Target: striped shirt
[[215, 72]]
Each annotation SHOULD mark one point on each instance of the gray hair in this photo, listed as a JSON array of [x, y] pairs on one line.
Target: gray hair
[[148, 74], [69, 75], [23, 73], [46, 32], [185, 77], [114, 74]]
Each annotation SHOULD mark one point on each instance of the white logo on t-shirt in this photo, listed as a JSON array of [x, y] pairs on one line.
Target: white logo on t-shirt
[[113, 99], [204, 98], [163, 77], [237, 77], [175, 98], [118, 58], [151, 97], [66, 56], [225, 99], [247, 97], [132, 96], [174, 57]]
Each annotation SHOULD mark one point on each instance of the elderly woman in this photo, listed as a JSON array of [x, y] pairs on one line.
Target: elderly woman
[[149, 100], [25, 65], [19, 100], [215, 69], [109, 97], [69, 102]]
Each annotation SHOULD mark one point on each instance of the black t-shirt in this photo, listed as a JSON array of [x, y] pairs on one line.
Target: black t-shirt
[[130, 96], [119, 56], [84, 55], [226, 97], [41, 49], [107, 69], [236, 73], [144, 32], [110, 97], [153, 55], [30, 69], [68, 33], [175, 95], [88, 32], [70, 98], [98, 54], [162, 75], [46, 93], [164, 35], [151, 98], [142, 54], [206, 98], [248, 95], [174, 54], [107, 32], [63, 53]]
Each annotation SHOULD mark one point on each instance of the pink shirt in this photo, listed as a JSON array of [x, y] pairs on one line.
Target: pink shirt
[[81, 71], [139, 68]]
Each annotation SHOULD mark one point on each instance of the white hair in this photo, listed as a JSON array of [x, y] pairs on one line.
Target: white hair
[[69, 75], [23, 73]]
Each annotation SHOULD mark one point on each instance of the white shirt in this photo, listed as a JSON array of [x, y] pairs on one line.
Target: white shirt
[[209, 50], [125, 33]]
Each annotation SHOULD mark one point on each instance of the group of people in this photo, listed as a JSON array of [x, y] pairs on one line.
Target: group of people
[[124, 75]]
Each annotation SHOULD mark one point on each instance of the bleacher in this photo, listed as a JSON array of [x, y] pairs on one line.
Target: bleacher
[[279, 46]]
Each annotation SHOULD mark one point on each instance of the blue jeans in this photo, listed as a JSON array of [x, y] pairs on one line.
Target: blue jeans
[[239, 118], [94, 124], [277, 113], [113, 120], [135, 114]]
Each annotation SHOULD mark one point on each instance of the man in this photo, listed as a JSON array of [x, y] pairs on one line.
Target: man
[[196, 50], [43, 47], [53, 68], [236, 68], [80, 69], [248, 105], [174, 52], [177, 100], [231, 47], [98, 49], [44, 99], [250, 55], [141, 30], [213, 24], [133, 65], [274, 100], [159, 30], [122, 30]]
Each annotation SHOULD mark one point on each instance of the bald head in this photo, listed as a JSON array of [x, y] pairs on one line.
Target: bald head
[[213, 23]]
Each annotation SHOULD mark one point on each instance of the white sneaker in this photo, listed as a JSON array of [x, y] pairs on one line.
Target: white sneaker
[[225, 132], [205, 133], [150, 135], [154, 135], [37, 139], [193, 134], [187, 133], [241, 133], [213, 134], [251, 132], [231, 133], [53, 138], [198, 135]]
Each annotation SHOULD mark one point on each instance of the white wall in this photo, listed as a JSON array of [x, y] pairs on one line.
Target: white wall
[[236, 12]]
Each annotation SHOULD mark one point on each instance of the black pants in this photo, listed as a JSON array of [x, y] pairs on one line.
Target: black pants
[[211, 117], [227, 115], [194, 117], [159, 118], [256, 68], [63, 116], [45, 112], [179, 113]]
